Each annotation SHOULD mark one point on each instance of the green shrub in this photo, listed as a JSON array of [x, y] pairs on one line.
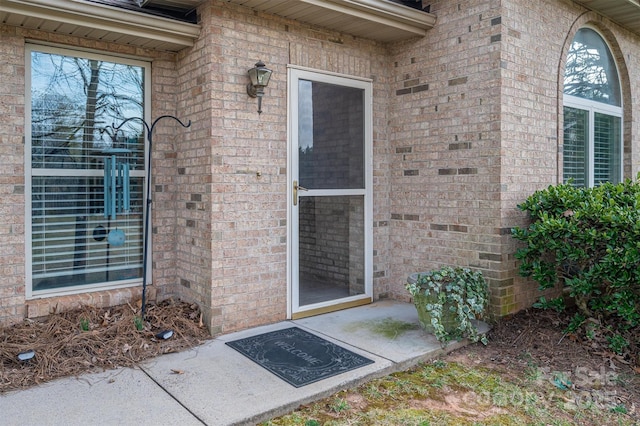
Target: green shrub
[[587, 239]]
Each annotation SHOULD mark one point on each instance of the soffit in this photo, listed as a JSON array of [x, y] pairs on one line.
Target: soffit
[[177, 4], [373, 19], [624, 12], [181, 10], [99, 21]]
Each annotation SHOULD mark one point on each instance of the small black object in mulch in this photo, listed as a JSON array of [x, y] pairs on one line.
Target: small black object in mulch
[[297, 356]]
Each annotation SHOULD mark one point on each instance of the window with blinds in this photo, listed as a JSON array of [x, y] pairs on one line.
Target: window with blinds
[[592, 113], [606, 148], [81, 235], [575, 143]]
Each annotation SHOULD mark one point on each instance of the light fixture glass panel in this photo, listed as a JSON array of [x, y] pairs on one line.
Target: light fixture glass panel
[[263, 76]]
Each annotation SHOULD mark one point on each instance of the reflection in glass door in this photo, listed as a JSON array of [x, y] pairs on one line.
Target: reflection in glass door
[[330, 211]]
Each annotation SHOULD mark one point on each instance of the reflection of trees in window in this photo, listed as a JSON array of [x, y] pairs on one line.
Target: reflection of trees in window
[[592, 112], [46, 144], [306, 167], [590, 71], [72, 99]]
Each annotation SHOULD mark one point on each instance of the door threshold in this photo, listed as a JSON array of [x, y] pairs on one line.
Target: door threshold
[[332, 308]]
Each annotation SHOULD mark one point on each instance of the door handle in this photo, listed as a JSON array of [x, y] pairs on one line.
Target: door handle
[[297, 188]]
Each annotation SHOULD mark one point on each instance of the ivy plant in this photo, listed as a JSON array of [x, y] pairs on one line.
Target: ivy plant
[[448, 301]]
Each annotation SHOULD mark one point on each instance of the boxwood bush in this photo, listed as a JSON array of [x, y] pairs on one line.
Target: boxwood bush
[[588, 239]]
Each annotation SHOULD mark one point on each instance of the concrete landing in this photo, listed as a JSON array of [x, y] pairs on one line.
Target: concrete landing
[[213, 384]]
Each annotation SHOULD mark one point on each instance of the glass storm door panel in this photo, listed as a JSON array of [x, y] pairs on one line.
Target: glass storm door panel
[[330, 253]]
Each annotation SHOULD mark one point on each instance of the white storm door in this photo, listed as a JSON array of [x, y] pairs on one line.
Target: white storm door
[[330, 192]]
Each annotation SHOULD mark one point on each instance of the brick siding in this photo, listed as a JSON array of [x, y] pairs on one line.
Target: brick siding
[[466, 124], [12, 266]]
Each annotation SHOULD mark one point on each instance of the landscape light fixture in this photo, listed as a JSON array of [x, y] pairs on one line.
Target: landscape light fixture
[[26, 355], [165, 334], [259, 76]]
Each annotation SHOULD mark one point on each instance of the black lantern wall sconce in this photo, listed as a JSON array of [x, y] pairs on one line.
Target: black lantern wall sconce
[[259, 76]]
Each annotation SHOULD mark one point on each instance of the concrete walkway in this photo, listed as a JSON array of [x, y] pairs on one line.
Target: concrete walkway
[[213, 384]]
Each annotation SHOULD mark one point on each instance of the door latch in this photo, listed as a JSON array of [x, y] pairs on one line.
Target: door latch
[[297, 188]]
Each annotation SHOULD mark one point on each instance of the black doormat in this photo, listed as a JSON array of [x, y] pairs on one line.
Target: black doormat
[[298, 357]]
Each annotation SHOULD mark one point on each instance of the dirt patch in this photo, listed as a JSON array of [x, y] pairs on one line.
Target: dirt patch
[[356, 401], [532, 345], [464, 404], [92, 339]]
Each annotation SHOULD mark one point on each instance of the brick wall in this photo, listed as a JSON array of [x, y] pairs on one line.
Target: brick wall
[[465, 127], [12, 266], [475, 118], [446, 144], [200, 75], [167, 139], [232, 229], [532, 39], [219, 203]]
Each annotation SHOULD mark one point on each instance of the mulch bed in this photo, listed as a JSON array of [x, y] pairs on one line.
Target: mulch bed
[[91, 339], [533, 342]]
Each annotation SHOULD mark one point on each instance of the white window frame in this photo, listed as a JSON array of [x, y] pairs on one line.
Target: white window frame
[[30, 172], [593, 107]]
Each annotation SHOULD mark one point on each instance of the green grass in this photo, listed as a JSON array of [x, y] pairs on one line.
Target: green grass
[[441, 393]]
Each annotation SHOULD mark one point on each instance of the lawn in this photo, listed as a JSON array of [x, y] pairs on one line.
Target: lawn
[[529, 373]]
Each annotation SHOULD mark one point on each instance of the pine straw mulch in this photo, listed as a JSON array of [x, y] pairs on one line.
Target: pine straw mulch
[[92, 339]]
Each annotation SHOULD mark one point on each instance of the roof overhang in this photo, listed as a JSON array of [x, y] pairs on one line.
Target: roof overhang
[[380, 20], [100, 22], [623, 12], [176, 4]]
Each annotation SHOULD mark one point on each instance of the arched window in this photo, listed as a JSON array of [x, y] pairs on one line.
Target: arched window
[[592, 113]]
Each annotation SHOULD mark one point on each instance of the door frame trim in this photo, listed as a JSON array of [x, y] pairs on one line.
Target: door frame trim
[[367, 297], [332, 308]]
